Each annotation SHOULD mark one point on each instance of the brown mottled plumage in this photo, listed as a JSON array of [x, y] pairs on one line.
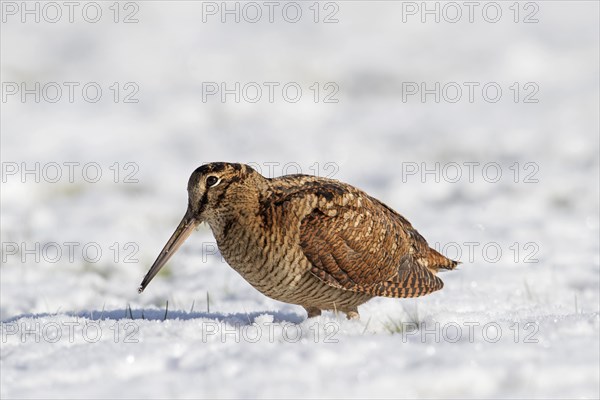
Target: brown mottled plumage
[[301, 239]]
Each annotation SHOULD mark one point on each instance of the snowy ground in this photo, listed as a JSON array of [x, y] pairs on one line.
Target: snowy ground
[[520, 318]]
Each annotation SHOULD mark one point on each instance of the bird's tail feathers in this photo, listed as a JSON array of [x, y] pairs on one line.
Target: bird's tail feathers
[[437, 261]]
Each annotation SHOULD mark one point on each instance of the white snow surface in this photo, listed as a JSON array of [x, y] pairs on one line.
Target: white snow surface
[[520, 324]]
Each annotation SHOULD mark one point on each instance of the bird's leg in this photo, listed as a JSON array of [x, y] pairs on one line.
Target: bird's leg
[[352, 314], [312, 311]]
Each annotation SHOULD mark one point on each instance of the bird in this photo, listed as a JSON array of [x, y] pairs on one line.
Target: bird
[[306, 240]]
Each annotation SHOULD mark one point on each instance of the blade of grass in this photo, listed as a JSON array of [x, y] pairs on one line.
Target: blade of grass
[[166, 310], [366, 326]]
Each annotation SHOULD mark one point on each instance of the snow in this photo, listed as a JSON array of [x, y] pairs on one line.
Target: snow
[[521, 322]]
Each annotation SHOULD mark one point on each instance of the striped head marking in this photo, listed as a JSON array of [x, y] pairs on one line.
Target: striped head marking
[[215, 186]]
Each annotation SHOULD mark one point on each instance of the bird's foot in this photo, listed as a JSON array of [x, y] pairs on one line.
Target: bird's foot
[[352, 314], [312, 311]]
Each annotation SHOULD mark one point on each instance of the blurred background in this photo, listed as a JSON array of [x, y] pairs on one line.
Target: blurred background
[[478, 123]]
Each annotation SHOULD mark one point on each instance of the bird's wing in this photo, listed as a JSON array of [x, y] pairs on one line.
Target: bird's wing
[[356, 243]]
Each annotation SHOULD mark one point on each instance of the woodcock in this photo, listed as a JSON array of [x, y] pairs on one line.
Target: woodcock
[[300, 239]]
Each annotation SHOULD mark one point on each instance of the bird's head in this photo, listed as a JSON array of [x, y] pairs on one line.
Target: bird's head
[[215, 190]]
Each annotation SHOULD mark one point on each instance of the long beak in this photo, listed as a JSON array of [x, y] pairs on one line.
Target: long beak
[[183, 231]]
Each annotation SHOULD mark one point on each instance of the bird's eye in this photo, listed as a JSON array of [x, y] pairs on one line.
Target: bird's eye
[[212, 181]]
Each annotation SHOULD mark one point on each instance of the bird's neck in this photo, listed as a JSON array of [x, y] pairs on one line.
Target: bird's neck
[[234, 223]]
